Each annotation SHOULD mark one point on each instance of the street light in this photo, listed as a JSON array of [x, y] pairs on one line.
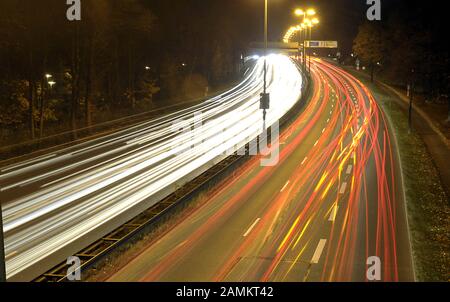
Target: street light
[[310, 12], [299, 12], [310, 24], [307, 23], [2, 250], [265, 97]]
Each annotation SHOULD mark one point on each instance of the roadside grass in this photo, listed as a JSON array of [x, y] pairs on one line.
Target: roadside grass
[[427, 203]]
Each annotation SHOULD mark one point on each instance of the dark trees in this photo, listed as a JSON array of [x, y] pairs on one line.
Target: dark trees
[[369, 45], [122, 57]]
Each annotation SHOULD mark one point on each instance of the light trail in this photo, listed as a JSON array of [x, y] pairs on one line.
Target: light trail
[[55, 205], [340, 207]]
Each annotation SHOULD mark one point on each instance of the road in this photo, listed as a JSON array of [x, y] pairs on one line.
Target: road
[[334, 200], [57, 204]]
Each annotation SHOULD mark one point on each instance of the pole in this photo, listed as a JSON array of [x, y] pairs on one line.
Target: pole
[[304, 53], [304, 42], [266, 7], [310, 37], [265, 42], [2, 250], [410, 108]]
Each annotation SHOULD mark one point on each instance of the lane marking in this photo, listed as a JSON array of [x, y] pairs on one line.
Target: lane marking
[[303, 162], [181, 244], [29, 163], [323, 131], [285, 186], [333, 213], [315, 144], [251, 228], [349, 169], [319, 250], [343, 187]]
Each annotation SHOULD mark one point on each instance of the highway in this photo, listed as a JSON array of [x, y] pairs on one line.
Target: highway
[[55, 205], [334, 200]]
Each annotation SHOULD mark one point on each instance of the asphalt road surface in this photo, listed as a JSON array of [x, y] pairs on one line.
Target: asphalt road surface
[[334, 200], [57, 204]]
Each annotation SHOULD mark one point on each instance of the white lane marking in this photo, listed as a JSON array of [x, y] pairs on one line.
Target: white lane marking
[[323, 131], [333, 213], [316, 257], [349, 169], [328, 120], [10, 255], [343, 187], [285, 186], [315, 144], [181, 244], [252, 226], [304, 161], [28, 162]]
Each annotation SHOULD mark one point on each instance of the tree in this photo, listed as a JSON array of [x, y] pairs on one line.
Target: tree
[[131, 24], [369, 45]]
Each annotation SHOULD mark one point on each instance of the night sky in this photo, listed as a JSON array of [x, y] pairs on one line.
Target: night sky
[[340, 19]]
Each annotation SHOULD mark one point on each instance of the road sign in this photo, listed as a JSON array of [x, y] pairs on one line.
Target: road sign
[[265, 101], [321, 44]]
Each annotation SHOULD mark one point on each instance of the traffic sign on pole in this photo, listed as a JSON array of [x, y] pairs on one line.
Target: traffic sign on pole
[[321, 44]]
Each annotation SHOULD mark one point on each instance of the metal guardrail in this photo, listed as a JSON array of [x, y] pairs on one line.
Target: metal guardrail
[[143, 222], [132, 230]]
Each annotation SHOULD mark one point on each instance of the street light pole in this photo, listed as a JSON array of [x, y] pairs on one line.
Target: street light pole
[[410, 110], [304, 41], [310, 37], [2, 249], [265, 43], [411, 98]]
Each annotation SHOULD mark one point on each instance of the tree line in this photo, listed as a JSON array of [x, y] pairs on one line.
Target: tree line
[[122, 57], [409, 47]]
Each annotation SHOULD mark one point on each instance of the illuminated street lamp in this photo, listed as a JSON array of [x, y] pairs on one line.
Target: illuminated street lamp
[[299, 12], [51, 83], [310, 12], [307, 23]]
